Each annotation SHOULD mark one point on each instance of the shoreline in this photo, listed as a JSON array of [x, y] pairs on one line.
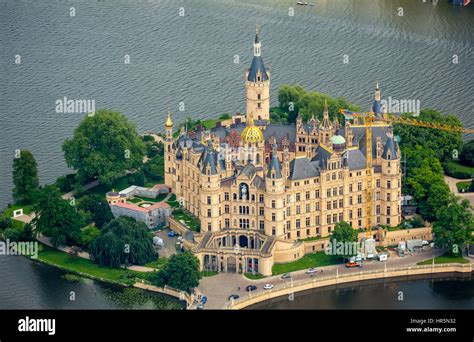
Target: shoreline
[[301, 286]]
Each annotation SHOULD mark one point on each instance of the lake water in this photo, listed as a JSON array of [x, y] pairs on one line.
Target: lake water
[[26, 284], [445, 292], [190, 59]]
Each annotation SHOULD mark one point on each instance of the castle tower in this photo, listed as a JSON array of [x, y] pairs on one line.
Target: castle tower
[[325, 129], [390, 184], [274, 199], [169, 156], [253, 143], [377, 106], [257, 84]]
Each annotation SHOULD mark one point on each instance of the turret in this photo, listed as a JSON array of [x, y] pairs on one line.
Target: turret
[[390, 183], [274, 199], [169, 153], [257, 84]]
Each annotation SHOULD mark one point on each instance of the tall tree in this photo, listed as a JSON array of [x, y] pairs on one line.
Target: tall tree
[[467, 153], [104, 145], [98, 207], [454, 225], [181, 272], [25, 178], [344, 235], [56, 217], [123, 241]]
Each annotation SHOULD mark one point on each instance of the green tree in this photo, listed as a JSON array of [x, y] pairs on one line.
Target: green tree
[[343, 235], [25, 178], [89, 234], [444, 144], [98, 207], [181, 272], [18, 234], [454, 225], [467, 153], [293, 99], [56, 217], [123, 241], [428, 188], [105, 146]]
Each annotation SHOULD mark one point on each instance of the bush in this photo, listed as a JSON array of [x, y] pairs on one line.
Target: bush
[[89, 234], [5, 222], [455, 171], [66, 183], [137, 178]]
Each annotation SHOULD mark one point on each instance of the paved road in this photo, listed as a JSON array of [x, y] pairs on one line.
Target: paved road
[[219, 287], [452, 186]]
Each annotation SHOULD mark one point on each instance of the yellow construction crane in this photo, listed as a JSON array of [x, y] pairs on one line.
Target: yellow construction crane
[[369, 118]]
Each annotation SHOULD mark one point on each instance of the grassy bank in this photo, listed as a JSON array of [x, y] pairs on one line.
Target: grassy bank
[[309, 260], [86, 267], [444, 259]]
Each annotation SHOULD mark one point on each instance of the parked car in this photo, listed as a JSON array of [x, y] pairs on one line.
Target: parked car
[[351, 264], [233, 297], [268, 287], [250, 288], [382, 257], [200, 307], [311, 270], [286, 276], [203, 300], [171, 233], [180, 238]]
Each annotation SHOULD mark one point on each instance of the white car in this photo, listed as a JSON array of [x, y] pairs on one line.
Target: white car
[[311, 271], [268, 287]]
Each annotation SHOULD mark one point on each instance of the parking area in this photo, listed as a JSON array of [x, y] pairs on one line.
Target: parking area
[[170, 243]]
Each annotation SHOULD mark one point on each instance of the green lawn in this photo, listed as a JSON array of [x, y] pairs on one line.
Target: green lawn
[[191, 221], [313, 238], [158, 198], [209, 273], [456, 166], [444, 259], [173, 204], [157, 264], [27, 209], [463, 186], [309, 260], [85, 267], [135, 200], [254, 276]]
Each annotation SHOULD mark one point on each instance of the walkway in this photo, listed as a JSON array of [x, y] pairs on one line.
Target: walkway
[[219, 287], [452, 186], [86, 187]]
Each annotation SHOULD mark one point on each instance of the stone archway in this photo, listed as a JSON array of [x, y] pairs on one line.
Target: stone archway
[[231, 264]]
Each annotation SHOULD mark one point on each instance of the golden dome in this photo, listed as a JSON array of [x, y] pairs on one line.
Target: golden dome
[[251, 133], [169, 123]]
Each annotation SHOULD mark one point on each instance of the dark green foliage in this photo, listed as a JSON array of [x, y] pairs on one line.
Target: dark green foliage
[[25, 178], [66, 183], [56, 217], [454, 225], [105, 146], [467, 153], [98, 207], [5, 222], [445, 145], [428, 188], [137, 178], [308, 103], [123, 241], [22, 234], [89, 234], [181, 272], [155, 168]]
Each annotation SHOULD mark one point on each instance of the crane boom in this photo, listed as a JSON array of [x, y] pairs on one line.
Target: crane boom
[[390, 118]]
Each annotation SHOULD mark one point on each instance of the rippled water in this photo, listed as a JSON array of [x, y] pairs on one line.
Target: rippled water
[[191, 59]]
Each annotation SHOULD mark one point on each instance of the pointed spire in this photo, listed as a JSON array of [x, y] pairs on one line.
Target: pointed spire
[[326, 123], [169, 123], [257, 46]]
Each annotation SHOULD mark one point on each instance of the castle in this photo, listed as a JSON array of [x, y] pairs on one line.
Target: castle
[[261, 190]]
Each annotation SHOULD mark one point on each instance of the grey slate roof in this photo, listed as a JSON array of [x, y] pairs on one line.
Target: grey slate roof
[[256, 66], [302, 168], [390, 146], [258, 182], [274, 165], [355, 159], [249, 170], [209, 158]]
